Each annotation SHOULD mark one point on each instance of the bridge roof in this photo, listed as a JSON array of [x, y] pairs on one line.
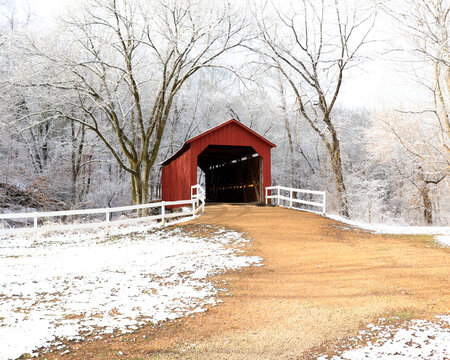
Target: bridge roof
[[187, 144]]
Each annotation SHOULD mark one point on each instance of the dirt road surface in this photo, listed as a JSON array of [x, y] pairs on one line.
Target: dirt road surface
[[321, 281]]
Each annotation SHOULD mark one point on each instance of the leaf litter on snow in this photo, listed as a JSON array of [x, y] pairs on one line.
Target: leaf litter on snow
[[77, 284]]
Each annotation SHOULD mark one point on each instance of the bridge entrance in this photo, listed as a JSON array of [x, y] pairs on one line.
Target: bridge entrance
[[232, 173]]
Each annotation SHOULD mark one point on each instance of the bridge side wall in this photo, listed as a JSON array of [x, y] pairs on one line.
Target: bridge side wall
[[175, 178]]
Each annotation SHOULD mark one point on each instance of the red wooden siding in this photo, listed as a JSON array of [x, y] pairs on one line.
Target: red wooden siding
[[175, 181]]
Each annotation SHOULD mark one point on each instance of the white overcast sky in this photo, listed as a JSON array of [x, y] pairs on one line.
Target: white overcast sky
[[374, 84], [45, 9]]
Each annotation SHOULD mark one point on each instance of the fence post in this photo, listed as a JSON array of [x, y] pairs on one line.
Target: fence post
[[35, 221], [108, 216], [324, 202], [290, 199], [163, 213], [278, 196]]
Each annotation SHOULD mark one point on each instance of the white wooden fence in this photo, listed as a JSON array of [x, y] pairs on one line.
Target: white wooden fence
[[195, 206], [285, 194]]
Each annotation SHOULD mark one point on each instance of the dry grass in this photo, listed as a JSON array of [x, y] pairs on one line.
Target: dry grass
[[320, 283]]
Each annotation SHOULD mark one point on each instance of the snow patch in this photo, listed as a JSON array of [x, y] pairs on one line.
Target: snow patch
[[415, 340], [70, 285], [443, 239], [394, 229]]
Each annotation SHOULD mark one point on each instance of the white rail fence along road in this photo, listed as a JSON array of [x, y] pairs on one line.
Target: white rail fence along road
[[191, 209], [286, 197]]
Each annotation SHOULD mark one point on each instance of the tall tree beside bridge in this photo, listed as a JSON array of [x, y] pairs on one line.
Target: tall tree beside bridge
[[312, 44]]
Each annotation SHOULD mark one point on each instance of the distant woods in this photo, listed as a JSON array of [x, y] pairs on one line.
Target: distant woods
[[90, 106]]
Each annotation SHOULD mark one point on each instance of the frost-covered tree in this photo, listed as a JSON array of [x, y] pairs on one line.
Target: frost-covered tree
[[125, 65], [422, 129], [312, 44]]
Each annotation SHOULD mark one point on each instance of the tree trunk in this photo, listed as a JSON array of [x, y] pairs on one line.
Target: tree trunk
[[336, 164], [140, 183], [136, 192], [76, 160], [288, 130], [427, 206], [424, 191]]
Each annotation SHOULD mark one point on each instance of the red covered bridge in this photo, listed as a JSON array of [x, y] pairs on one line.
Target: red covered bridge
[[234, 158]]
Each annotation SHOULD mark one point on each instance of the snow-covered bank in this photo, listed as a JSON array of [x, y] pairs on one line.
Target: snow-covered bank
[[73, 284], [442, 233], [414, 340], [394, 229]]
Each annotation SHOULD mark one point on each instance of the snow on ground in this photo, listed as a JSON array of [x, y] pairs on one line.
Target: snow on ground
[[414, 340], [70, 285], [441, 233], [443, 239], [394, 229]]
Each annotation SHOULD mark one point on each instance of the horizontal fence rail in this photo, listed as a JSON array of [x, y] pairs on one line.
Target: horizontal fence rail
[[292, 196], [191, 209]]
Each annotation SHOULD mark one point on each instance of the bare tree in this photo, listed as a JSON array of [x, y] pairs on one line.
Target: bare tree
[[312, 44], [423, 129], [425, 25], [126, 63]]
